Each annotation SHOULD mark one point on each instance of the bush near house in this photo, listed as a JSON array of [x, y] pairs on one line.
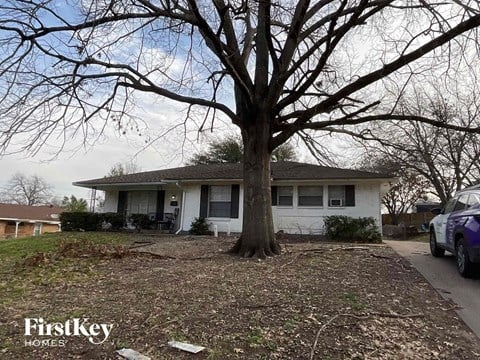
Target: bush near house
[[352, 229], [200, 227], [141, 221], [74, 221], [113, 218]]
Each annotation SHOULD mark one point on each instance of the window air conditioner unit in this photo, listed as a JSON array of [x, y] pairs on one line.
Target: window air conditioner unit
[[336, 202]]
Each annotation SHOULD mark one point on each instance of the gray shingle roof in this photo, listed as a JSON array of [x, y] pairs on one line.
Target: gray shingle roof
[[287, 170]]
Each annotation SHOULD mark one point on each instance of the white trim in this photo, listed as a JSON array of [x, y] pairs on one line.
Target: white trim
[[236, 181], [32, 221]]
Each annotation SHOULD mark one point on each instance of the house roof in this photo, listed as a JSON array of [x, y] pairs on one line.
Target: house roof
[[48, 213], [283, 170]]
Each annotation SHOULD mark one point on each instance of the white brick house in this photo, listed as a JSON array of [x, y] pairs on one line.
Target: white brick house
[[302, 195]]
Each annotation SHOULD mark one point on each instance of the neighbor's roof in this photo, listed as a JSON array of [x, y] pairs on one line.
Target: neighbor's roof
[[284, 170], [48, 213]]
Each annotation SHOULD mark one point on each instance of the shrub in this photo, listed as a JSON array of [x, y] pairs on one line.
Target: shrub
[[113, 218], [75, 221], [200, 227], [352, 229], [141, 221]]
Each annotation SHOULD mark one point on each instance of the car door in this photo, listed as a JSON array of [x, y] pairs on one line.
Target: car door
[[455, 219], [440, 222]]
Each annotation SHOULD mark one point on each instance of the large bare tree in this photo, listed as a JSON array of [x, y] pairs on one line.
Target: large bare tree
[[446, 158], [273, 68], [27, 190]]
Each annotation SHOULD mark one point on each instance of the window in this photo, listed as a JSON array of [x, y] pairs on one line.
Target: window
[[461, 202], [336, 195], [285, 195], [310, 196], [219, 201], [449, 206], [472, 201]]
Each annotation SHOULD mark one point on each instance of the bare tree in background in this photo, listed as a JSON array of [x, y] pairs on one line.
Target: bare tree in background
[[273, 69], [119, 169], [27, 190], [406, 192], [448, 159]]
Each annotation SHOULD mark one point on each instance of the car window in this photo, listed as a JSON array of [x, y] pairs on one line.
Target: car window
[[461, 202], [450, 205], [473, 200]]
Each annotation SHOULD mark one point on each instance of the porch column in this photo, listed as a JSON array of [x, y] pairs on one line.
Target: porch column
[[16, 228]]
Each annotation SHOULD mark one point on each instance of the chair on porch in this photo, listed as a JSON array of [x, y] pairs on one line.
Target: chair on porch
[[166, 222]]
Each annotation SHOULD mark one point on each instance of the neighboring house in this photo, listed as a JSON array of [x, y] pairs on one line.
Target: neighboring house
[[423, 206], [302, 195], [24, 220]]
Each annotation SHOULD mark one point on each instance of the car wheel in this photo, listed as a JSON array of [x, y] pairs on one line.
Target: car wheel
[[434, 249], [464, 265]]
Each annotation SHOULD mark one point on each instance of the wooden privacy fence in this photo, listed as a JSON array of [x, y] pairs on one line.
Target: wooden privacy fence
[[414, 219]]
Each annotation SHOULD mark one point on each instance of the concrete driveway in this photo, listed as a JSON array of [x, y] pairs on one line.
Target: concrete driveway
[[444, 277]]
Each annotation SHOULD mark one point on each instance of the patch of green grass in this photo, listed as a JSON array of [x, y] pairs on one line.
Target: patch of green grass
[[291, 323], [255, 337], [425, 237], [214, 354], [47, 243], [75, 313], [353, 301], [122, 345], [17, 279], [177, 335], [422, 237], [7, 344]]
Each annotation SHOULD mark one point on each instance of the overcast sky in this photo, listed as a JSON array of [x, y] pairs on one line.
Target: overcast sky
[[94, 163], [172, 148]]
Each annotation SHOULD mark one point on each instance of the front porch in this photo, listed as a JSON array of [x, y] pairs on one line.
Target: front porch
[[162, 205]]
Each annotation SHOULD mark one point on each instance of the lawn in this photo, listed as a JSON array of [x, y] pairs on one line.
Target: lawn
[[316, 301]]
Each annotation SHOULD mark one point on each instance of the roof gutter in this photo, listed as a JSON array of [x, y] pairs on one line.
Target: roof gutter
[[118, 184], [53, 222], [187, 181]]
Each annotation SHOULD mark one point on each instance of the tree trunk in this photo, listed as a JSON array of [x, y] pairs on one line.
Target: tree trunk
[[258, 236]]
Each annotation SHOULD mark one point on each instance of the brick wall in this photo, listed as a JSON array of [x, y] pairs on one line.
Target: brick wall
[[24, 229]]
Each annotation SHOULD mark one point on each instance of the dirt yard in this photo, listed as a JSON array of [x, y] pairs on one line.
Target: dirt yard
[[316, 301]]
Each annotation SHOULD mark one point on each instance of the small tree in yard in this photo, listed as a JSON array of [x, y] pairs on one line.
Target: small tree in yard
[[274, 69]]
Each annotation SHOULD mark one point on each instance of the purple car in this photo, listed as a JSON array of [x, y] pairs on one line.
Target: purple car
[[456, 229]]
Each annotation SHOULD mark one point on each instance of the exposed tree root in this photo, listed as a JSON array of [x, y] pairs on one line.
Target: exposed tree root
[[261, 251], [166, 257], [361, 317], [312, 353]]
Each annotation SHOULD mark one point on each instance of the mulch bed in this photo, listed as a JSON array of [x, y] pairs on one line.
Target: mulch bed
[[315, 301]]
